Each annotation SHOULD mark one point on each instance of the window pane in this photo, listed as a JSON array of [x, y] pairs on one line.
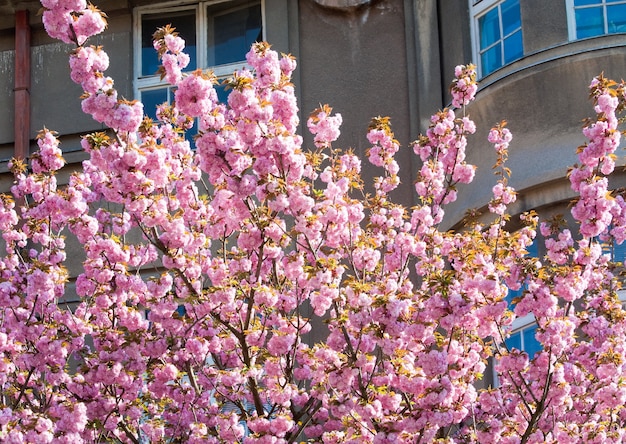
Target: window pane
[[190, 134], [511, 19], [589, 22], [489, 28], [491, 60], [233, 33], [616, 18], [619, 253], [531, 345], [185, 24], [151, 99], [533, 251], [512, 295], [222, 93], [513, 47], [514, 341], [587, 2]]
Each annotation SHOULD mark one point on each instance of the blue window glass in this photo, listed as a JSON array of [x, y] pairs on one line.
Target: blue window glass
[[185, 24], [599, 17], [616, 251], [589, 22], [533, 251], [181, 310], [233, 33], [216, 33], [514, 341], [511, 19], [616, 18], [489, 25], [500, 31], [222, 93], [152, 98], [512, 295], [491, 59], [525, 340], [619, 253], [531, 345], [513, 47]]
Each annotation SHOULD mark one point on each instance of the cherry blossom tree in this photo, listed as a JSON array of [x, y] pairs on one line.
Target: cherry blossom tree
[[208, 263]]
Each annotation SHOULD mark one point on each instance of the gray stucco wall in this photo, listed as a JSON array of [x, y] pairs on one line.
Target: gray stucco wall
[[545, 24], [55, 99], [357, 63], [7, 61]]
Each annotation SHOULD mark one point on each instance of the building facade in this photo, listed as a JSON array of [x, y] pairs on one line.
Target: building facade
[[365, 58]]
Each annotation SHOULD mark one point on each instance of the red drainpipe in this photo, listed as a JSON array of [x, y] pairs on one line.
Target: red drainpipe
[[22, 85]]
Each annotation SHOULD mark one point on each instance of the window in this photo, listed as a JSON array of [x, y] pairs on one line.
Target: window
[[616, 252], [497, 31], [590, 18], [524, 339], [217, 34], [524, 329], [533, 251]]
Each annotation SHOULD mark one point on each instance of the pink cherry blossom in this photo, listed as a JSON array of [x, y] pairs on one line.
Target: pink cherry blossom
[[205, 272]]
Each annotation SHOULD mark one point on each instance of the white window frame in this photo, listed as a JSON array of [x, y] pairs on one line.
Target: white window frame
[[478, 8], [143, 83], [571, 17]]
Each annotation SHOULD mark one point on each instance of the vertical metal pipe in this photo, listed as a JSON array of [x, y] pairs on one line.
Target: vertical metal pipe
[[22, 85]]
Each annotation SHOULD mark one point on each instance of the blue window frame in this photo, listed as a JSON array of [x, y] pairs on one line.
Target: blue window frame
[[498, 33]]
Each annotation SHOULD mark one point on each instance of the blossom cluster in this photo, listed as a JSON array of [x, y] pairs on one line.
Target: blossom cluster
[[464, 86], [72, 21], [503, 195], [597, 207], [442, 151], [242, 288], [169, 46]]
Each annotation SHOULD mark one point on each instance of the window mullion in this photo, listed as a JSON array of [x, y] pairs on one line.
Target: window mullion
[[263, 34], [510, 33], [484, 50], [201, 35], [136, 52], [571, 20]]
